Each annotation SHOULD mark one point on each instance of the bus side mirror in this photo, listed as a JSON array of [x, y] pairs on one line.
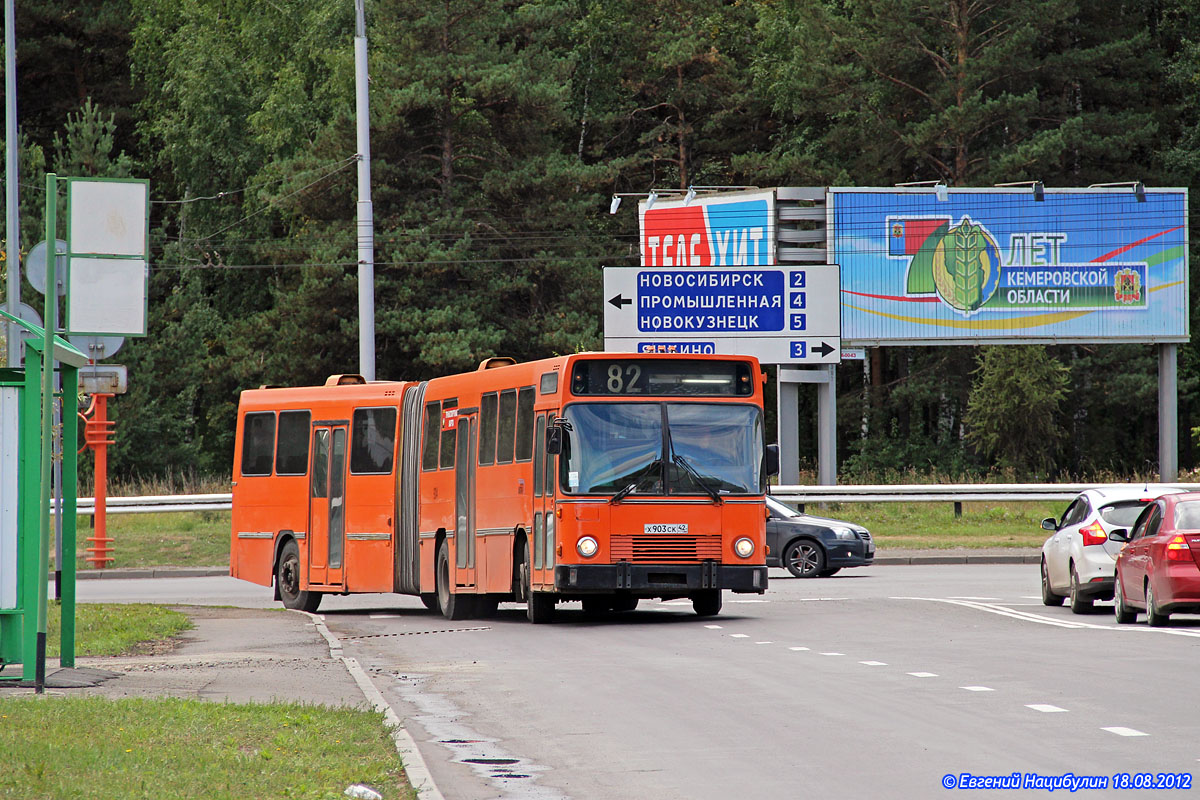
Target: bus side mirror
[[772, 459], [553, 440]]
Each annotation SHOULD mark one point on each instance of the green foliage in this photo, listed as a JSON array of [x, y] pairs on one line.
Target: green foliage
[[1015, 409]]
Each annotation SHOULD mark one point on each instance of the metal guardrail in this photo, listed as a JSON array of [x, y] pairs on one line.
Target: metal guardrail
[[158, 504], [899, 493], [954, 493]]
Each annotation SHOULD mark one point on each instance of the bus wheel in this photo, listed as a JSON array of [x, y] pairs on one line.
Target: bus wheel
[[452, 606], [539, 606], [287, 580], [707, 603], [624, 602], [429, 600]]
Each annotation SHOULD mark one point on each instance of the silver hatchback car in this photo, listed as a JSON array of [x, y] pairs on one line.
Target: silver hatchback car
[[1078, 560]]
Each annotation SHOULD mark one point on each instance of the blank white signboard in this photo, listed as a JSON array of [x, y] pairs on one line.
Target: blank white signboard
[[108, 217], [107, 296], [9, 401]]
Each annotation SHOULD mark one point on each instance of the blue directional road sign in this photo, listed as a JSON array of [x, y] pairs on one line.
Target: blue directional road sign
[[781, 314]]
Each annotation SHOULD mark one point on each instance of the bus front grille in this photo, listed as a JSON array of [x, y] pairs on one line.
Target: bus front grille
[[664, 549]]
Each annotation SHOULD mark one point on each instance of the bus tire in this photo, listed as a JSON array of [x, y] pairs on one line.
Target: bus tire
[[624, 602], [287, 580], [453, 606], [707, 603], [539, 606]]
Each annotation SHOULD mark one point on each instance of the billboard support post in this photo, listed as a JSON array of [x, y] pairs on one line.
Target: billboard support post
[[1168, 412], [789, 430]]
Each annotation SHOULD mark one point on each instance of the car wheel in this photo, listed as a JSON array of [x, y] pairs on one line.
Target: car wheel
[[1079, 603], [804, 558], [1049, 598], [1154, 617], [1125, 614], [287, 580], [829, 573]]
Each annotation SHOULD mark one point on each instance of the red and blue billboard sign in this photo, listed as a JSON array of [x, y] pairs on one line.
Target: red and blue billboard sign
[[1004, 265], [733, 230]]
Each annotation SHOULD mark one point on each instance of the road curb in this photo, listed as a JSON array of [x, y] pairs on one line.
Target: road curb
[[155, 572], [891, 561], [419, 776]]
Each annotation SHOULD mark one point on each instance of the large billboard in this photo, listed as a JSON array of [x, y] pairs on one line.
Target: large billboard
[[732, 230], [926, 266]]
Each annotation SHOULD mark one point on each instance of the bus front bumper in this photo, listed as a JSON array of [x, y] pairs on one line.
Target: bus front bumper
[[658, 579]]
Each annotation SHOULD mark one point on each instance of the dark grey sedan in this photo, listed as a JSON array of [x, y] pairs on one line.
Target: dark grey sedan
[[814, 547]]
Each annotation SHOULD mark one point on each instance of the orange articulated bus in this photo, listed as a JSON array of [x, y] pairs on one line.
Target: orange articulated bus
[[599, 477]]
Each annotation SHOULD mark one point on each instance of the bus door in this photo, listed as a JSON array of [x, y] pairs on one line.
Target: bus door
[[327, 505], [544, 479], [464, 501]]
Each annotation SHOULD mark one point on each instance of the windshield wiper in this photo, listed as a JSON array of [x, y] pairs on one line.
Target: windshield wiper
[[697, 477], [631, 488]]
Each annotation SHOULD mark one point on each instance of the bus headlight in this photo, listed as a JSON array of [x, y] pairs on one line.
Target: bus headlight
[[587, 546], [744, 548]]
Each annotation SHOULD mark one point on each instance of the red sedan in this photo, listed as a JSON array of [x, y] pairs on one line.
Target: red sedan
[[1158, 569]]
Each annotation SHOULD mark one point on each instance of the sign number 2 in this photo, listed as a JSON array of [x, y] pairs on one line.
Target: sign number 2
[[623, 381]]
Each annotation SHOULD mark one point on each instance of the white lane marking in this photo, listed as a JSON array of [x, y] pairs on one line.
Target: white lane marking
[[713, 627], [820, 599], [874, 663], [923, 674], [764, 643], [833, 654], [805, 648], [1030, 597], [739, 601], [1119, 731], [1045, 708], [683, 601], [384, 616], [970, 597], [977, 688], [1025, 616], [739, 636]]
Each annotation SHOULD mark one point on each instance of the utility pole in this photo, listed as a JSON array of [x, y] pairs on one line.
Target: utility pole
[[366, 218], [12, 219]]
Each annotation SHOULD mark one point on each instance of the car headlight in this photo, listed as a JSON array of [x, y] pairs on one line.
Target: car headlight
[[587, 546], [744, 548], [845, 533]]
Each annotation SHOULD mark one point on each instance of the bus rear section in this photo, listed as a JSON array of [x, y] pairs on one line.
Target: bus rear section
[[314, 489]]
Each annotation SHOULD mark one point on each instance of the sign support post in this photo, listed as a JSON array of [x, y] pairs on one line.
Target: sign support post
[[1168, 412], [47, 445]]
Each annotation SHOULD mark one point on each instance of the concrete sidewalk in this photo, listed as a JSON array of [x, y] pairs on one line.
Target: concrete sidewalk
[[235, 655]]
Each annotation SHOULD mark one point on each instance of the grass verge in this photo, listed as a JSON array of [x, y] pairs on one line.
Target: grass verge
[[91, 748], [933, 526], [173, 539], [113, 629]]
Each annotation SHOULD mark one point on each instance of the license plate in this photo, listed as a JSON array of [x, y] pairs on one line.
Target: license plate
[[673, 527]]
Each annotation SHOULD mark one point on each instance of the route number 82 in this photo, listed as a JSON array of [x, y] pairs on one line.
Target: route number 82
[[624, 381]]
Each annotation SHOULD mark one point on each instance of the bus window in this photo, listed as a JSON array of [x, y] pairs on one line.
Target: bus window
[[549, 383], [525, 424], [291, 452], [507, 426], [539, 453], [258, 443], [487, 429], [373, 441], [448, 436], [433, 429], [320, 473]]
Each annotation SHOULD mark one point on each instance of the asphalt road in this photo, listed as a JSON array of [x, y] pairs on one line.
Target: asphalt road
[[878, 682]]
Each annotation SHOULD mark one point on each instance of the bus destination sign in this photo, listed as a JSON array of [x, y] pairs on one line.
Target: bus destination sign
[[781, 315]]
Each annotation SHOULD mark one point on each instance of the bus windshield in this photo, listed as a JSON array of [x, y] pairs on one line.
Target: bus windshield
[[662, 448]]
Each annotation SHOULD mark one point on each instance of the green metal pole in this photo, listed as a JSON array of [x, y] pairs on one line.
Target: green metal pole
[[28, 511], [70, 464], [44, 496]]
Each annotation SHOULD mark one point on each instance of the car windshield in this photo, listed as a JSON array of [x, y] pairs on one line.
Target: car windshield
[[778, 509], [1187, 515], [707, 447], [1123, 514]]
